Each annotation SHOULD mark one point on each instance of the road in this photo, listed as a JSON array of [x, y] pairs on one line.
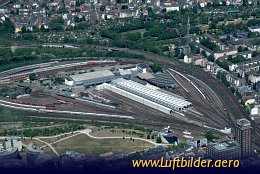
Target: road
[[47, 144]]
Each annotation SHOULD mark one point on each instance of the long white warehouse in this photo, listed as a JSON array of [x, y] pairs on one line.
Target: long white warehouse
[[166, 101]]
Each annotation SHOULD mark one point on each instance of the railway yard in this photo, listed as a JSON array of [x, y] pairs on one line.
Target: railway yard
[[209, 110]]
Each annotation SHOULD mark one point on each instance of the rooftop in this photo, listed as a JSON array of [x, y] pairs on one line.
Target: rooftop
[[91, 75], [255, 27], [225, 145], [171, 138], [143, 65], [145, 76], [244, 123], [8, 151], [252, 61], [31, 148], [165, 99]]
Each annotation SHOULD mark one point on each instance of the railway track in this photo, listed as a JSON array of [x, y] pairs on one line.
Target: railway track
[[144, 111], [153, 116], [211, 115], [233, 108], [214, 98], [89, 107]]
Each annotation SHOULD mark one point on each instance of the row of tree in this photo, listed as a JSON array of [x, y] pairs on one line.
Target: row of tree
[[42, 132]]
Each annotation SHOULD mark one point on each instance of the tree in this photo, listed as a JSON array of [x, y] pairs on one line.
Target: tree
[[157, 68], [245, 49], [238, 95], [23, 29], [218, 75], [240, 49], [133, 36], [56, 24], [7, 27], [211, 58], [215, 3], [245, 2], [102, 8], [232, 89], [209, 135], [204, 53], [33, 77], [254, 54], [158, 140], [42, 28], [209, 44], [237, 59]]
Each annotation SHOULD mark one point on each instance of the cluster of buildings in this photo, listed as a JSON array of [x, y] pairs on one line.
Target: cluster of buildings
[[237, 147], [133, 82], [236, 73], [168, 136], [240, 147], [11, 157], [237, 59], [203, 3], [39, 14]]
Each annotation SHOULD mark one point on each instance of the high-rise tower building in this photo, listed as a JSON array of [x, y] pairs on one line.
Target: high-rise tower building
[[243, 135]]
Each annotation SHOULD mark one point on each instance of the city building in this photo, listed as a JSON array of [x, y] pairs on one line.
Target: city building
[[44, 81], [228, 149], [72, 160], [91, 78], [143, 68], [254, 29], [243, 135], [32, 154], [168, 138], [13, 142], [185, 50], [170, 6], [198, 142], [154, 98], [45, 161], [13, 164], [9, 153], [162, 80]]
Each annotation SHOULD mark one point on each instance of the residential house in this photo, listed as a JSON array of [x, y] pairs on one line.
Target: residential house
[[245, 54], [203, 3], [248, 100], [171, 6], [254, 28], [198, 142], [245, 90], [235, 80], [200, 61], [253, 76]]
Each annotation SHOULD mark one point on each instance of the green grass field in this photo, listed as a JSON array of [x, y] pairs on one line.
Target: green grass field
[[87, 145], [36, 142]]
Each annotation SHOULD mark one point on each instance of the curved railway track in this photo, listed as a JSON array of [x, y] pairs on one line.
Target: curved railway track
[[211, 114], [228, 99]]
